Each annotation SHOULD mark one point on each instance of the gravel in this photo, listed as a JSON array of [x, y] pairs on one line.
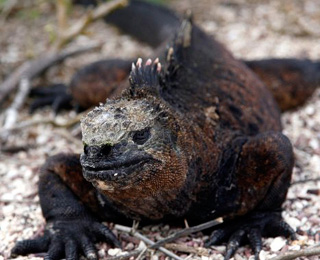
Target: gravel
[[251, 29]]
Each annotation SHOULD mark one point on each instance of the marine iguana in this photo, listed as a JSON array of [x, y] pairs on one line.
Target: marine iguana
[[195, 138], [291, 81]]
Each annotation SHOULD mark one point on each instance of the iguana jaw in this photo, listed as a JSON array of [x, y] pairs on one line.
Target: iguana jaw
[[113, 171]]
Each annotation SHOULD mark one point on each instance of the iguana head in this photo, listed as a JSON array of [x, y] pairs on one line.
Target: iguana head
[[133, 141]]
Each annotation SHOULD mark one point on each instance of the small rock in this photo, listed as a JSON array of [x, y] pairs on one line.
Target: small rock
[[142, 245], [263, 255], [238, 257], [277, 244], [154, 257], [293, 222], [220, 249], [129, 246], [114, 251], [101, 253]]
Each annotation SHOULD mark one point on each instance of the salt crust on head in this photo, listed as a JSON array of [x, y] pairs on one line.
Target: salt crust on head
[[113, 122]]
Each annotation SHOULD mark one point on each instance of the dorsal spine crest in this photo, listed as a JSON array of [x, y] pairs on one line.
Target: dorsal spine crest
[[144, 75]]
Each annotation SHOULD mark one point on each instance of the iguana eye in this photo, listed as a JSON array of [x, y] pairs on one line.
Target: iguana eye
[[140, 137]]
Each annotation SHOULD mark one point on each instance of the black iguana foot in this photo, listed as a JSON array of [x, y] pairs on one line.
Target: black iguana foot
[[55, 95], [250, 228], [67, 239]]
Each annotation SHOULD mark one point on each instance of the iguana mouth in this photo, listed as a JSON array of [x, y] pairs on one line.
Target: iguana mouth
[[114, 170]]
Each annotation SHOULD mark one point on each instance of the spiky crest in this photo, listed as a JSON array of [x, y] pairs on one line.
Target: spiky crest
[[176, 51], [145, 76]]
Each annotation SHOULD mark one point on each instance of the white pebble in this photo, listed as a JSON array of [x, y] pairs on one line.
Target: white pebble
[[314, 144], [277, 244], [114, 251], [154, 257], [142, 246], [262, 255], [238, 257], [310, 110], [293, 222]]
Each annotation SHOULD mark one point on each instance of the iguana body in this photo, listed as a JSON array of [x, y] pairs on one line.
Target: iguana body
[[195, 137]]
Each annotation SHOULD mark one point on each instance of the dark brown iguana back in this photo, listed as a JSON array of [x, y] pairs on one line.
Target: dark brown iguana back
[[208, 78]]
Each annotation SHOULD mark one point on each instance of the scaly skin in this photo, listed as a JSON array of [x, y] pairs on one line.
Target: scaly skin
[[197, 138]]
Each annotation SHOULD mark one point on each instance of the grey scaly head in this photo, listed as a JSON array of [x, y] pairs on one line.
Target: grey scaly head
[[133, 139]]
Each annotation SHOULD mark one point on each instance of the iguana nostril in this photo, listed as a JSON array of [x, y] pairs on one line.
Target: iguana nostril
[[106, 149], [97, 151]]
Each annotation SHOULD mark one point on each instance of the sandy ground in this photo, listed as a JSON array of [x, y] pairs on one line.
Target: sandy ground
[[250, 29]]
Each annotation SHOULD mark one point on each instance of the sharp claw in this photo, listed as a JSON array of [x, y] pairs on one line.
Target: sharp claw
[[216, 237], [55, 250], [88, 248], [91, 255], [71, 250], [254, 236], [148, 62], [253, 227], [60, 103], [159, 67], [106, 234], [234, 243], [229, 254], [139, 63], [282, 228]]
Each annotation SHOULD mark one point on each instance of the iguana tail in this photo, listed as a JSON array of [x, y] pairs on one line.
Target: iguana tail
[[149, 23]]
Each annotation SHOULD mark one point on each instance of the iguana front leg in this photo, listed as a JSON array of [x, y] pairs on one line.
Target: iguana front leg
[[71, 227], [263, 175]]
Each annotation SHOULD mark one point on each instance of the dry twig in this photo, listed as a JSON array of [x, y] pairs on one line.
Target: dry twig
[[146, 240], [133, 253], [311, 251], [31, 69], [61, 6], [91, 16], [53, 121], [188, 249], [187, 231], [12, 112]]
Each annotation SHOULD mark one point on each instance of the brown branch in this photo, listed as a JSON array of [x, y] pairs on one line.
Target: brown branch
[[187, 231], [12, 112], [128, 255], [61, 6], [146, 240], [188, 249], [311, 251], [91, 16], [16, 149], [31, 69], [53, 121]]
